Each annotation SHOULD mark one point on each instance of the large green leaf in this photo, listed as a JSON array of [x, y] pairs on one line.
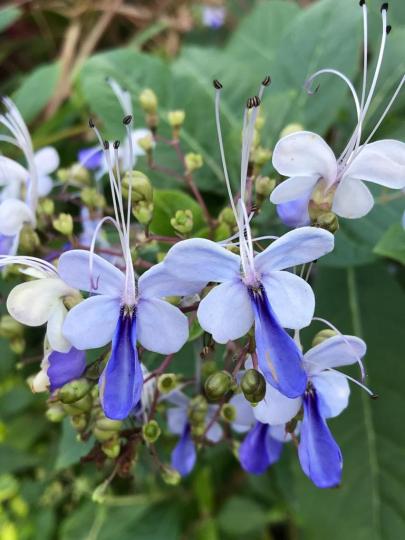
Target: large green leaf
[[369, 504], [392, 244]]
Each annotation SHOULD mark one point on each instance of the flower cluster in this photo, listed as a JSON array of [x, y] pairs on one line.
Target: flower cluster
[[246, 298]]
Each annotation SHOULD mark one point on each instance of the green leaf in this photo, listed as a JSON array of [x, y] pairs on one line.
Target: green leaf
[[241, 516], [392, 244], [8, 16], [166, 202], [12, 460], [70, 449], [369, 504]]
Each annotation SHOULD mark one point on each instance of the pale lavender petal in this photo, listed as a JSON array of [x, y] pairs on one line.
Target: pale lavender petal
[[334, 352], [295, 213], [159, 282], [333, 393]]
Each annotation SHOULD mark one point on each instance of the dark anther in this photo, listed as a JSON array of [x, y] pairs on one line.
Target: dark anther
[[256, 101], [384, 6], [388, 28], [266, 81], [91, 123], [106, 145], [116, 145], [362, 2], [249, 103], [375, 396], [217, 84], [127, 120]]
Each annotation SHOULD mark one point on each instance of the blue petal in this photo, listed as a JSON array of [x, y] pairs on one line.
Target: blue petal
[[122, 379], [90, 158], [184, 454], [65, 367], [279, 358], [8, 244], [295, 213], [319, 454], [259, 450]]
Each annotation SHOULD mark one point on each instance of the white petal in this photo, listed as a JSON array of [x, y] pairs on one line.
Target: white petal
[[40, 383], [74, 268], [334, 352], [11, 172], [226, 312], [161, 327], [214, 434], [46, 160], [244, 413], [333, 391], [159, 282], [291, 298], [293, 248], [13, 214], [45, 185], [293, 188], [92, 323], [381, 162], [352, 199], [176, 419], [31, 303], [201, 260], [57, 340], [305, 154], [275, 408], [279, 433]]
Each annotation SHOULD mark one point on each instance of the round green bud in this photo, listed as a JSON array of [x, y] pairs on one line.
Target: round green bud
[[146, 143], [182, 221], [322, 336], [79, 422], [198, 409], [55, 413], [143, 212], [63, 224], [148, 101], [98, 495], [170, 476], [176, 118], [217, 385], [260, 156], [111, 448], [46, 206], [227, 216], [228, 412], [92, 198], [63, 175], [222, 232], [102, 435], [193, 161], [74, 390], [151, 432], [328, 221], [29, 239], [10, 328], [141, 189], [17, 345], [167, 383], [208, 368], [253, 385], [264, 186], [291, 128], [198, 430], [79, 174], [107, 424], [84, 404]]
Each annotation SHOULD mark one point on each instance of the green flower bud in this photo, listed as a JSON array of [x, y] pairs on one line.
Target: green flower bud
[[29, 239], [322, 336], [102, 435], [217, 385], [148, 101], [74, 390], [198, 430], [182, 221], [17, 345], [208, 368], [46, 207], [227, 216], [260, 156], [108, 424], [228, 412], [170, 476], [151, 432], [79, 174], [79, 422], [8, 487], [141, 190], [253, 385], [19, 507], [193, 161], [264, 186], [92, 198], [260, 120], [146, 143], [176, 118], [291, 128], [8, 531], [222, 232], [328, 221], [84, 404], [10, 328], [63, 224], [143, 212], [63, 175], [167, 383], [98, 495], [55, 413], [197, 410], [111, 448]]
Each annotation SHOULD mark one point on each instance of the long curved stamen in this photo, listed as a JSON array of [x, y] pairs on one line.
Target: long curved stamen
[[356, 356], [127, 123], [32, 262], [365, 52], [355, 381], [248, 243], [123, 96]]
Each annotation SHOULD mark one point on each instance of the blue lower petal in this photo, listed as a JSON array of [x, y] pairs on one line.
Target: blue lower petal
[[259, 450], [8, 244], [184, 454], [295, 213], [122, 379], [279, 358], [319, 454], [90, 158], [65, 367]]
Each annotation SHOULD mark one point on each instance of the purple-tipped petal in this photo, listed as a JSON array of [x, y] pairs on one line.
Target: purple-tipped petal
[[295, 213], [319, 454], [259, 450], [65, 367], [91, 158], [122, 379], [184, 454], [279, 358]]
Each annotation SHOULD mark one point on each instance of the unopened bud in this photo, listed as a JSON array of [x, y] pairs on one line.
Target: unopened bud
[[102, 435], [151, 431], [227, 216], [98, 495], [170, 476], [74, 390], [222, 232], [10, 328], [291, 128], [79, 422], [167, 383], [218, 385], [146, 143], [328, 221], [148, 101], [323, 335], [176, 118], [260, 156], [141, 189], [228, 412], [111, 448], [29, 239], [108, 424], [253, 386], [63, 224], [208, 368], [182, 221], [264, 186], [143, 212], [92, 198], [197, 410], [193, 161], [17, 345], [55, 413], [19, 507], [79, 174], [46, 206]]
